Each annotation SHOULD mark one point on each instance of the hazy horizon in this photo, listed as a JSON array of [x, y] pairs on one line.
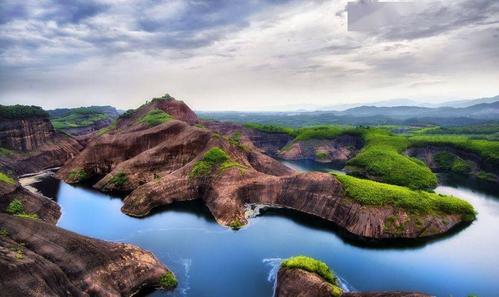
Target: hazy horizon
[[245, 56]]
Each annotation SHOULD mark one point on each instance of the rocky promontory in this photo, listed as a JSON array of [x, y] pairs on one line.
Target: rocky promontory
[[307, 277], [157, 156], [40, 259]]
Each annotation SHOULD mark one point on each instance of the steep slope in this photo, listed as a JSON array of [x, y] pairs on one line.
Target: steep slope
[[29, 143], [160, 162]]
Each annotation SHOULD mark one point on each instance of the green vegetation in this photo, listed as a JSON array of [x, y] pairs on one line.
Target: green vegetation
[[488, 150], [450, 162], [168, 280], [19, 250], [22, 112], [155, 117], [5, 152], [77, 175], [119, 180], [270, 128], [215, 158], [311, 265], [127, 114], [236, 224], [6, 179], [16, 208], [4, 232], [79, 117], [486, 176], [320, 155], [107, 129], [200, 126], [368, 192]]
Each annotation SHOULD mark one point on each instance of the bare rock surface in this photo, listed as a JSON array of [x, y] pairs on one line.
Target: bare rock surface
[[39, 259]]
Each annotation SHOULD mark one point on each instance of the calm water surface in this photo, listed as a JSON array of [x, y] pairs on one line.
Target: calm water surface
[[210, 260]]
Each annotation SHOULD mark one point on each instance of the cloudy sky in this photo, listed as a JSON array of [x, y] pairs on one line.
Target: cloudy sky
[[244, 55]]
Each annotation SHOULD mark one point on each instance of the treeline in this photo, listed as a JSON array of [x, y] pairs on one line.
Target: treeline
[[22, 112]]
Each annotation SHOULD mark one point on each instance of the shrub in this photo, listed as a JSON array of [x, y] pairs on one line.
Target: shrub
[[5, 152], [320, 155], [119, 179], [367, 192], [77, 175], [168, 280], [155, 117], [236, 224], [127, 114], [4, 232], [15, 207], [6, 179], [311, 265], [215, 158]]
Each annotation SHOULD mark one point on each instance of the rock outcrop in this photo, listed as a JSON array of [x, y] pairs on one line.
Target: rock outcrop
[[293, 282], [170, 162], [39, 259], [338, 150], [448, 159], [32, 144]]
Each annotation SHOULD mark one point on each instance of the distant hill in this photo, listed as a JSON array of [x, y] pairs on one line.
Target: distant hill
[[82, 120], [468, 103], [370, 115]]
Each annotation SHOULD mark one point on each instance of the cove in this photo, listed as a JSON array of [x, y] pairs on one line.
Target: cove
[[210, 260]]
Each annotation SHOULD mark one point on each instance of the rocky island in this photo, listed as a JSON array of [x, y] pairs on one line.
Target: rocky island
[[162, 153]]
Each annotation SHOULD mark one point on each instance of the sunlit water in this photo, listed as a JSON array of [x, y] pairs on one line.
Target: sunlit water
[[210, 260]]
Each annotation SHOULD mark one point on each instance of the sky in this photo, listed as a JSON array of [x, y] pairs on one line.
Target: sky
[[247, 54]]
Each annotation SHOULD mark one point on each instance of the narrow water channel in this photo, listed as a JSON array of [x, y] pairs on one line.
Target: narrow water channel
[[210, 260]]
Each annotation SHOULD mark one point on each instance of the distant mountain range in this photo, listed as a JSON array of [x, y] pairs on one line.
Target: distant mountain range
[[384, 103], [372, 115]]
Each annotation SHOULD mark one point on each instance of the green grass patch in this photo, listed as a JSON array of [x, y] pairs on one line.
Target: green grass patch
[[368, 192], [386, 164], [6, 179], [32, 216], [4, 232], [155, 117], [168, 280], [311, 265], [79, 118], [214, 159], [77, 175], [119, 179]]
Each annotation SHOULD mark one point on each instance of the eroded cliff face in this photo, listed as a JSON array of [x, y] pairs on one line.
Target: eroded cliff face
[[33, 145], [298, 282], [25, 134], [39, 259], [155, 165]]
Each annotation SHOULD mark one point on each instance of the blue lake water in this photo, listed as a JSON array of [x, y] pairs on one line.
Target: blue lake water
[[210, 260]]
